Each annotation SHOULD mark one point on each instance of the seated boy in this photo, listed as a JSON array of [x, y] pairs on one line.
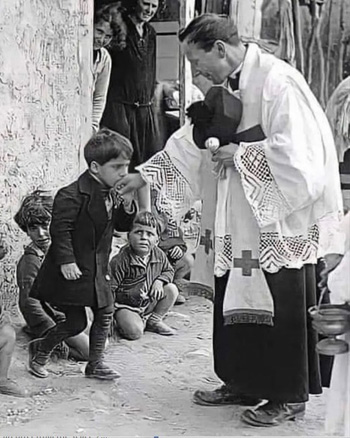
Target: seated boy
[[74, 274], [172, 243], [7, 346], [142, 280], [34, 217]]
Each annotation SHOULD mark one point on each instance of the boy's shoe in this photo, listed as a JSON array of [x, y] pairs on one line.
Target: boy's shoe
[[159, 327], [9, 387], [37, 360], [180, 300], [100, 371]]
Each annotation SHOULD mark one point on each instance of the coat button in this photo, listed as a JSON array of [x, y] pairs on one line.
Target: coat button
[[107, 277]]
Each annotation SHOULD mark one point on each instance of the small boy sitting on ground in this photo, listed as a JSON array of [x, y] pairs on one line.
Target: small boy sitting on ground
[[34, 217], [74, 274], [142, 281]]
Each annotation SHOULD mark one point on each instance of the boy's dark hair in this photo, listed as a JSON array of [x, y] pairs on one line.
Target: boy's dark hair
[[35, 209], [146, 219], [106, 145], [208, 28]]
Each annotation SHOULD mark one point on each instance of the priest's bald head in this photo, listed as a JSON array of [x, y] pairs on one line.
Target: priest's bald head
[[212, 45]]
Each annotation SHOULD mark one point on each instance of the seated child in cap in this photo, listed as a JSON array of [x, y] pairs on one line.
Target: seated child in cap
[[142, 282], [34, 217], [171, 241], [218, 116]]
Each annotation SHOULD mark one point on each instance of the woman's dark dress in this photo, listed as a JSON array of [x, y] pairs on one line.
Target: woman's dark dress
[[129, 109]]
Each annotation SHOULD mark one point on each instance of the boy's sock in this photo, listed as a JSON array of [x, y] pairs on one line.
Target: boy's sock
[[98, 337]]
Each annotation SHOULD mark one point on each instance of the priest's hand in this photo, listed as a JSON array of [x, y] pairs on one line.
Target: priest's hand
[[129, 183], [225, 154]]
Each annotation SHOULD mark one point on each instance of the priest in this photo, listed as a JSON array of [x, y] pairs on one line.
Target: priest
[[287, 186]]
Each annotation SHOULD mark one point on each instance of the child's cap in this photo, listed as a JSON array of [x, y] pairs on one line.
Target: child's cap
[[217, 116]]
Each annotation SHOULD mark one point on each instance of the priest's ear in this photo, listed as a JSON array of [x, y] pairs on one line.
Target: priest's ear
[[220, 47]]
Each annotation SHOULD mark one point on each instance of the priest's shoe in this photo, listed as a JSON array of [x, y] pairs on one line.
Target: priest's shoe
[[100, 371], [273, 414], [222, 396]]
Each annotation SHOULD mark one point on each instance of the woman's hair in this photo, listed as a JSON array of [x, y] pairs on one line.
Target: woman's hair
[[106, 145], [113, 14], [130, 6], [208, 28], [35, 209]]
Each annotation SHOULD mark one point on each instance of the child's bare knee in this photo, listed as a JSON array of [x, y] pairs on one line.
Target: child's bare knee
[[171, 290], [189, 261], [132, 334]]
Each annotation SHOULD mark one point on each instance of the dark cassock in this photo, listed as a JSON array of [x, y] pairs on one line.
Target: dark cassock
[[130, 108]]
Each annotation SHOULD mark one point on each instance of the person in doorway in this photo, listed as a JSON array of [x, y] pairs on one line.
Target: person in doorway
[[288, 191], [130, 107], [109, 30], [74, 274], [34, 217], [142, 281]]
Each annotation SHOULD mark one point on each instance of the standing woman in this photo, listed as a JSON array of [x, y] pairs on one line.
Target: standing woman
[[130, 108], [109, 30]]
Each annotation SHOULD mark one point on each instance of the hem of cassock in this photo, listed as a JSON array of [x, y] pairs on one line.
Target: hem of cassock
[[248, 317], [277, 363]]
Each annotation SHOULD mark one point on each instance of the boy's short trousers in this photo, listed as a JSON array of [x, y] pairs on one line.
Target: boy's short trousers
[[144, 312]]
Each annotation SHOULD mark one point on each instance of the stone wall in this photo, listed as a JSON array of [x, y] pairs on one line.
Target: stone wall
[[45, 107]]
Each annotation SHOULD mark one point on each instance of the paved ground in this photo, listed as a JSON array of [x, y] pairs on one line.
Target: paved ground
[[153, 397]]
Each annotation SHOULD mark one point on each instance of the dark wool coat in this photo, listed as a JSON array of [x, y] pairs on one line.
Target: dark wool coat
[[82, 233]]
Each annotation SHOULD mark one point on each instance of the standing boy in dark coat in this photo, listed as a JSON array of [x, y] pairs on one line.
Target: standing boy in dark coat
[[74, 274]]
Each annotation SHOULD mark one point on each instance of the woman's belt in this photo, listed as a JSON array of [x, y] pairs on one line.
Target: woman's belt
[[135, 104]]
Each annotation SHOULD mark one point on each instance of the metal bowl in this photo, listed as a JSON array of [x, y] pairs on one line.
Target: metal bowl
[[332, 346], [331, 319]]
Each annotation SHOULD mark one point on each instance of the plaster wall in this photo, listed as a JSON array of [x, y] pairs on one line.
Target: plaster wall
[[45, 107]]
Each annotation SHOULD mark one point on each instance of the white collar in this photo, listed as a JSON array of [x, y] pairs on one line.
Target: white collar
[[235, 72]]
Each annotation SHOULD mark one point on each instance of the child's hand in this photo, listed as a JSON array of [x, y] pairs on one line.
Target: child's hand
[[176, 253], [126, 199], [70, 271], [157, 291]]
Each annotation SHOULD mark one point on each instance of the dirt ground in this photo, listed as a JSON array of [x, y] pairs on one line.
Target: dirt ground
[[152, 398]]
